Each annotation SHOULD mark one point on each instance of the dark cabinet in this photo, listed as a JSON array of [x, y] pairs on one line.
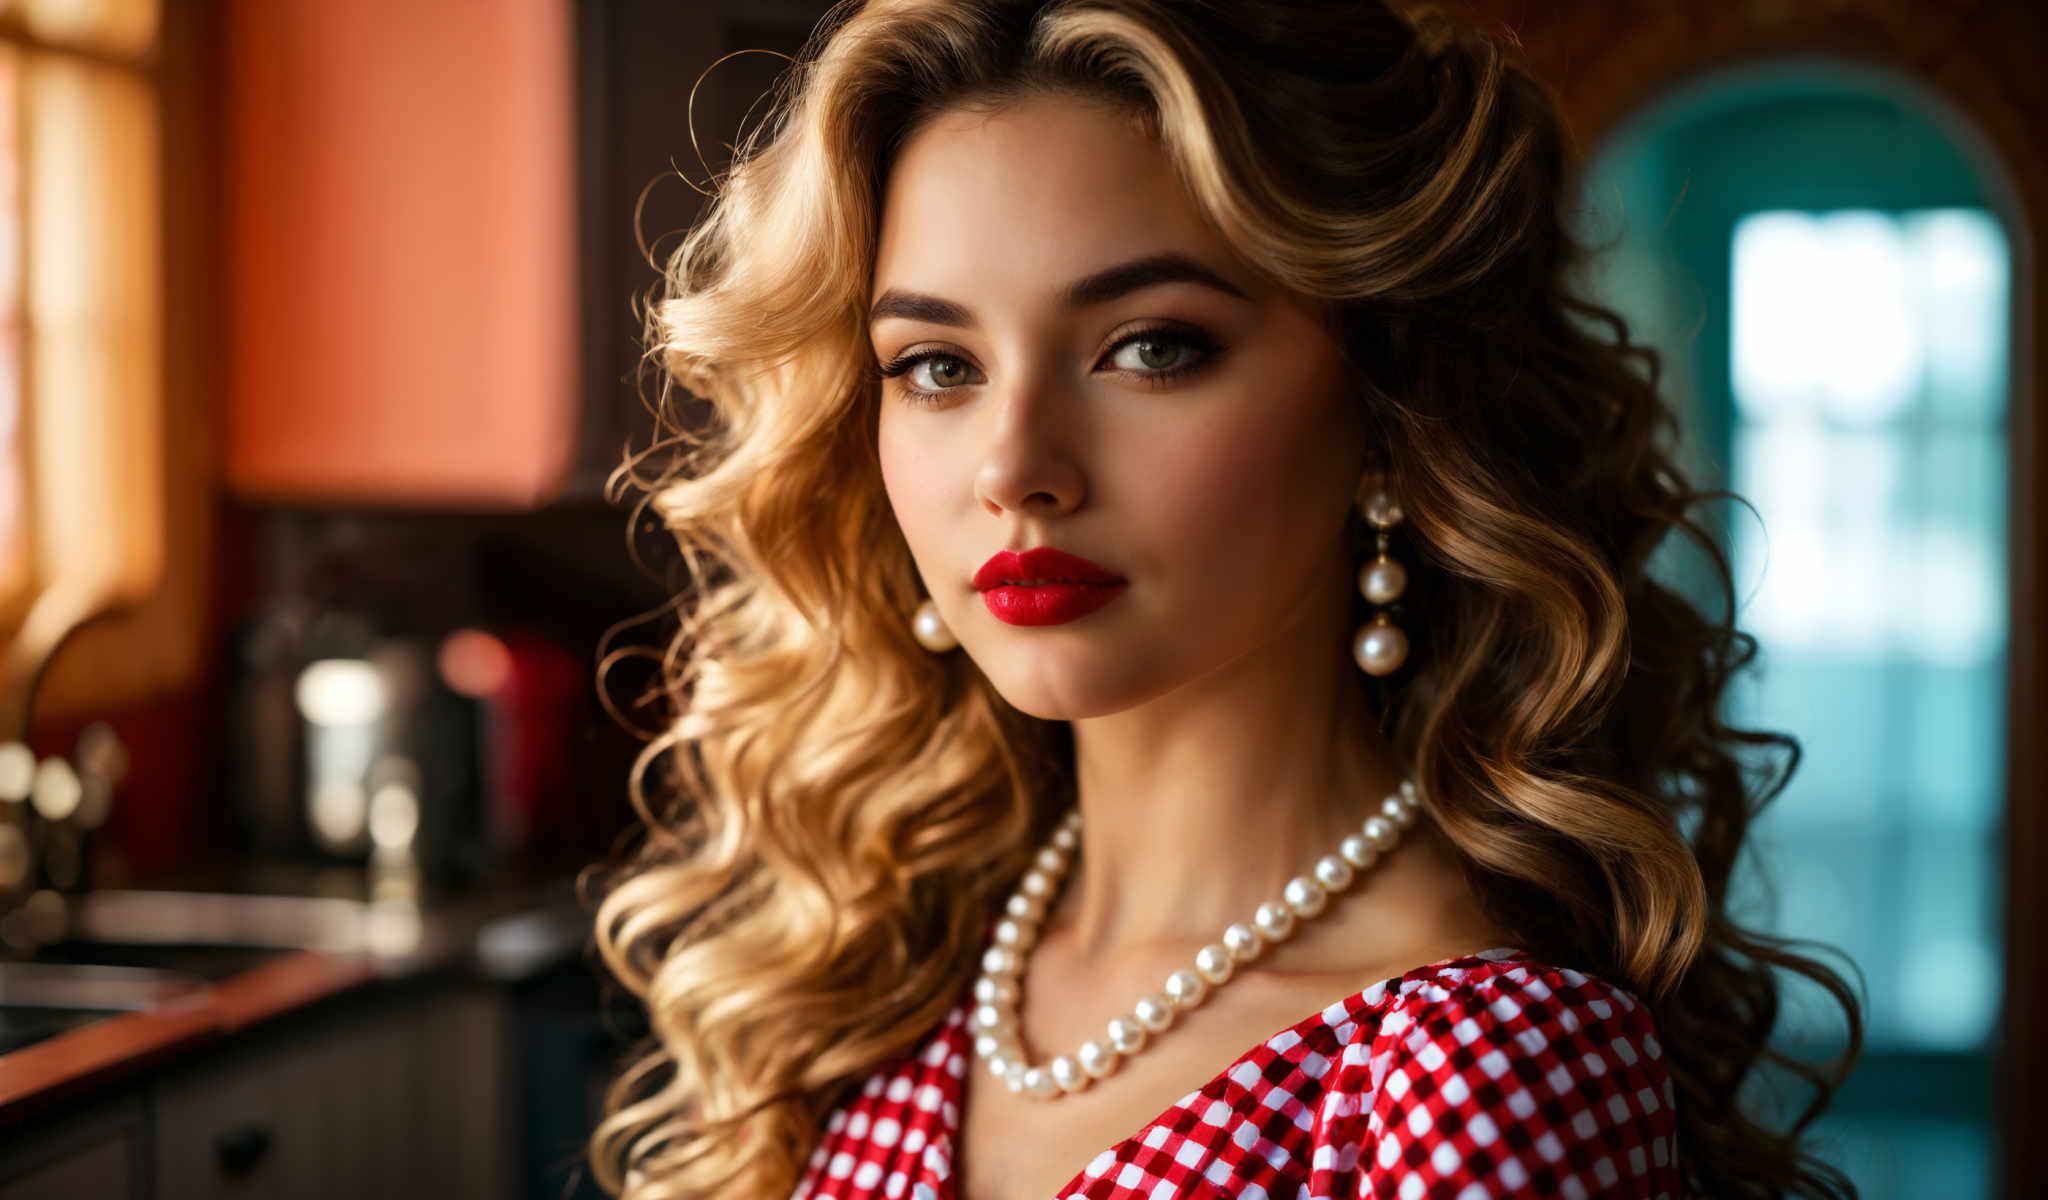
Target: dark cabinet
[[637, 61], [99, 1150], [400, 1098], [400, 1094]]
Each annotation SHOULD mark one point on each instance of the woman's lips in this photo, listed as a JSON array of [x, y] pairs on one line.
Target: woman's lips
[[1044, 586], [1047, 603]]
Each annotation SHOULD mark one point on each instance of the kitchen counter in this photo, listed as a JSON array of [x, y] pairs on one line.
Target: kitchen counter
[[505, 927]]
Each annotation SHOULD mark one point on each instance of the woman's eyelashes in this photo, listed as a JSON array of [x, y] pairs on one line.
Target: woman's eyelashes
[[1156, 357]]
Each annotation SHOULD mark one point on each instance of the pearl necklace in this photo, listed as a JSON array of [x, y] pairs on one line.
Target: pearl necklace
[[999, 988]]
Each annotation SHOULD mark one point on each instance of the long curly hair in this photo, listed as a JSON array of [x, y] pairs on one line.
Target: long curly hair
[[831, 813]]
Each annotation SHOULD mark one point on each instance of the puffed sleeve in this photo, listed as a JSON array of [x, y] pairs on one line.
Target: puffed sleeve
[[1525, 1081]]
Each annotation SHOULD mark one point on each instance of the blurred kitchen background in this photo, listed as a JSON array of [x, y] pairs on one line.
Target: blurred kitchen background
[[318, 344]]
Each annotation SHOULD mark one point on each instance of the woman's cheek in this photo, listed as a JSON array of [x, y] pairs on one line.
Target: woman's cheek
[[920, 497], [899, 470], [1226, 477]]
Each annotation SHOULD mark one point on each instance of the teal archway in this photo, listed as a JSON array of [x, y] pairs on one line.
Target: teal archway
[[1822, 251]]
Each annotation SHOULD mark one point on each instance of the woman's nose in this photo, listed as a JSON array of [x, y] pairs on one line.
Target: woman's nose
[[1030, 460]]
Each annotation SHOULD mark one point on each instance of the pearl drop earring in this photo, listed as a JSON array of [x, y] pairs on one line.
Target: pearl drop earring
[[1379, 645], [931, 632]]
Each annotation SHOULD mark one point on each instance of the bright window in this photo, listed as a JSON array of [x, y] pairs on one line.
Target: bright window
[[81, 474], [1867, 363]]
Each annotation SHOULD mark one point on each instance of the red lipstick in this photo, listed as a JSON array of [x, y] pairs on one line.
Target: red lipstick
[[1044, 586]]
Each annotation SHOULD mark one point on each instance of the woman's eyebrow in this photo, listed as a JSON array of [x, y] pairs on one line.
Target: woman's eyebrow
[[1099, 288]]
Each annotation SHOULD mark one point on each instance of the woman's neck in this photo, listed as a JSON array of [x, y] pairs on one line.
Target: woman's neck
[[1198, 807]]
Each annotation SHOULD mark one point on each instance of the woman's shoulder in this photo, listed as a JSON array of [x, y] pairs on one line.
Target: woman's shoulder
[[1515, 989], [1498, 1068]]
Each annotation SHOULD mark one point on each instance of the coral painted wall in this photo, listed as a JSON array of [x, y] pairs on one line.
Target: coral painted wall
[[398, 231]]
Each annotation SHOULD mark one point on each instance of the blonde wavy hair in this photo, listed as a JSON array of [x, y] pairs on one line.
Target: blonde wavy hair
[[831, 812]]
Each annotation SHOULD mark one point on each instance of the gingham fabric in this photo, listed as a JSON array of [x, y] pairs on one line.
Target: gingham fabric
[[1489, 1074]]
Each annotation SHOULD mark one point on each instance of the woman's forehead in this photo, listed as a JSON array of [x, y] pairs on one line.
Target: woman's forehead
[[1032, 197]]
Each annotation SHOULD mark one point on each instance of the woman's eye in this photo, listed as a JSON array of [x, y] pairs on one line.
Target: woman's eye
[[1153, 352], [940, 371], [1156, 357], [1162, 355]]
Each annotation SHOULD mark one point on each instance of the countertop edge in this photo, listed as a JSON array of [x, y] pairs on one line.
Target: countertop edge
[[39, 1078]]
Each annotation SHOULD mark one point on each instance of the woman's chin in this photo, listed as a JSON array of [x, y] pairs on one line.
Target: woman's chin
[[1073, 696]]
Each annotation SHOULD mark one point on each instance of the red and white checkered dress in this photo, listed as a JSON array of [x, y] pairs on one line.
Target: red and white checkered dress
[[1485, 1075]]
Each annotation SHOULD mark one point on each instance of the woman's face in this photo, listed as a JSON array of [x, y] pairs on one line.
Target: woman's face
[[1193, 434]]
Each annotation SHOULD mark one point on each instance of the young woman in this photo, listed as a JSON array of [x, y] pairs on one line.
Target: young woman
[[1171, 700]]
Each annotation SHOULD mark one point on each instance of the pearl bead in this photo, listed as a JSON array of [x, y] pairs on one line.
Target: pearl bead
[[1185, 989], [1067, 1074], [1358, 852], [1035, 884], [1334, 873], [1153, 1012], [1215, 963], [1010, 933], [1305, 896], [1381, 509], [988, 1045], [988, 1018], [1096, 1059], [1382, 580], [1052, 861], [1244, 942], [1025, 908], [1126, 1035], [1408, 789], [1000, 960], [1396, 809], [1274, 920], [1066, 837], [1381, 833], [999, 1065], [1039, 1083], [990, 990], [931, 630], [1380, 648]]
